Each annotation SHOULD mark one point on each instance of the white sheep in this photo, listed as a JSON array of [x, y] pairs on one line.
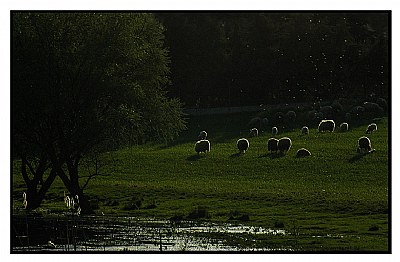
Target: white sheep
[[284, 144], [304, 130], [344, 127], [243, 144], [274, 131], [254, 132], [273, 145], [364, 145], [202, 146], [202, 135], [326, 125], [302, 152], [371, 128]]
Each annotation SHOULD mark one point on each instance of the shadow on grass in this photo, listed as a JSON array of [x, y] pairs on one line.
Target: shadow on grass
[[236, 155], [356, 158], [193, 157], [272, 155]]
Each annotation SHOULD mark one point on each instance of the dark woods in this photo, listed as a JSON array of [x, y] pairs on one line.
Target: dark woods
[[233, 59]]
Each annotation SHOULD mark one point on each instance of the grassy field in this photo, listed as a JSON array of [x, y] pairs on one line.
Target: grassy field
[[334, 200]]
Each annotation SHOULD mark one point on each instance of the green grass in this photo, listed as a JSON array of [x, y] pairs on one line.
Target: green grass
[[333, 200]]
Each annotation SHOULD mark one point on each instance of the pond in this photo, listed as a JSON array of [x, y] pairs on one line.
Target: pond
[[129, 234]]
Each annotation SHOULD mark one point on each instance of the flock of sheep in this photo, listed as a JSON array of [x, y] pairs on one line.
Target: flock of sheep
[[284, 144]]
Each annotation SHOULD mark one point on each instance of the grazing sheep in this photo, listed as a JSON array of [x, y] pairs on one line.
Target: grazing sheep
[[254, 132], [274, 131], [273, 145], [302, 152], [304, 130], [202, 146], [243, 144], [371, 128], [364, 145], [326, 125], [284, 144], [344, 127], [202, 135]]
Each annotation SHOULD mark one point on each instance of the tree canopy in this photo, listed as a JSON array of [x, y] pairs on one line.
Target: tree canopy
[[81, 81], [233, 59]]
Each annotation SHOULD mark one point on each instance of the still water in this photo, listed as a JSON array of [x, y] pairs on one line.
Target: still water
[[102, 233]]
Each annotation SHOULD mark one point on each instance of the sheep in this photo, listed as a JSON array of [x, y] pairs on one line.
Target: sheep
[[344, 127], [243, 144], [273, 145], [371, 127], [364, 145], [326, 125], [304, 130], [302, 152], [254, 132], [202, 135], [202, 146], [274, 131], [284, 144]]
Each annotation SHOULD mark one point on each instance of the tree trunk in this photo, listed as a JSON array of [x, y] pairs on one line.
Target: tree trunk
[[36, 187], [71, 182]]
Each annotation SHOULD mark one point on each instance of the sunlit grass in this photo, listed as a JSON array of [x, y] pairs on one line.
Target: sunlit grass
[[334, 191]]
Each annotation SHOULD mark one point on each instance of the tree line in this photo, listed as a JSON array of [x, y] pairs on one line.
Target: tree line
[[233, 59]]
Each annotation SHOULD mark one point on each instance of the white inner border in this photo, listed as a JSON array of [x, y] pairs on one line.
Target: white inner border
[[7, 5]]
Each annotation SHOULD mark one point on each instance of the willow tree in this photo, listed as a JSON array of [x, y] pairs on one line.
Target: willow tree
[[79, 81]]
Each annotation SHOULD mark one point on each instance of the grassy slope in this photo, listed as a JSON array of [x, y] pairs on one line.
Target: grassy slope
[[334, 192]]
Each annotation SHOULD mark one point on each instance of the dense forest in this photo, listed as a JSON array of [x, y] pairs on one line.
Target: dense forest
[[234, 59]]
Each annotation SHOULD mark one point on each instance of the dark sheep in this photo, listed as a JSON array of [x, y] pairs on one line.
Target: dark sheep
[[284, 144], [243, 144], [302, 152], [202, 146], [273, 145]]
